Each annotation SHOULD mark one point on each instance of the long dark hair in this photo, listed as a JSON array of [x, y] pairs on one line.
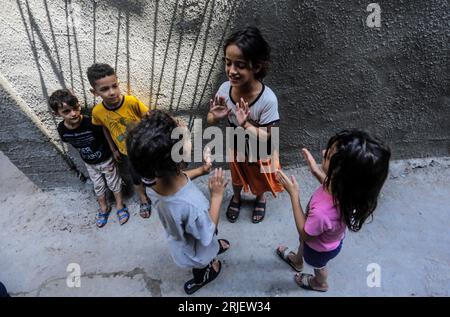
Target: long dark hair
[[356, 173], [254, 48]]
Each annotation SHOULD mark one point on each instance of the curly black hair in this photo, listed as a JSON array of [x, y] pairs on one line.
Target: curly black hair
[[98, 71], [149, 146], [356, 173], [253, 46]]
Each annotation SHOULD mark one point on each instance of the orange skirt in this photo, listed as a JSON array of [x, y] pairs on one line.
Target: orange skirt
[[258, 177]]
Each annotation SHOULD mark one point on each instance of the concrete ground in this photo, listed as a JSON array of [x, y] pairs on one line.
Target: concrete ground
[[41, 233]]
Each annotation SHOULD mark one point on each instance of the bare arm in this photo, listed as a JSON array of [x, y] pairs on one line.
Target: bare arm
[[195, 172], [204, 169], [242, 114], [112, 146], [216, 184], [293, 189]]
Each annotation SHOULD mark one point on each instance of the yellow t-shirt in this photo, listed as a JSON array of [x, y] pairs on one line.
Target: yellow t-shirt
[[128, 114]]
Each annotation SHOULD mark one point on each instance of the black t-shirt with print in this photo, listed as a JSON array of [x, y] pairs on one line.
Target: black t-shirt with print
[[88, 139]]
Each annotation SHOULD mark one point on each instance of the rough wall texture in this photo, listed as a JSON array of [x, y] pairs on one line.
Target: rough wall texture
[[329, 69]]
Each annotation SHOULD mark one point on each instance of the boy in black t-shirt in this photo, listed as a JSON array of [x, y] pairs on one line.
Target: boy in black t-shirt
[[94, 150]]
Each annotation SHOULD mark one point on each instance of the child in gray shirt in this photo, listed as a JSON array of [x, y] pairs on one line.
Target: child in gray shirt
[[190, 221]]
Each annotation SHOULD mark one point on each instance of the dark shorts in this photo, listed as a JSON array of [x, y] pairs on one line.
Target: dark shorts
[[318, 259], [135, 177]]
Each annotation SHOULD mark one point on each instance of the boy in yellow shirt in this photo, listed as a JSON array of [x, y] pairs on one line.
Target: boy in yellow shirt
[[117, 113]]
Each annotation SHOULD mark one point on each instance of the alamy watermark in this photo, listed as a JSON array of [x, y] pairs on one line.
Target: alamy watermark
[[374, 18], [241, 145], [74, 278], [374, 277]]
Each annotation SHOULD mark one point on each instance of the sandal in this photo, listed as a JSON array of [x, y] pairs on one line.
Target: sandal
[[145, 210], [305, 282], [284, 255], [190, 287], [102, 218], [221, 248], [233, 210], [259, 213], [123, 214]]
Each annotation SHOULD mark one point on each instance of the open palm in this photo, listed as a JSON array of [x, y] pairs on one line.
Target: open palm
[[218, 108]]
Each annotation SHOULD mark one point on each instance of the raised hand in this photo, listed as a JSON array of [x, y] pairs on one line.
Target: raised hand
[[242, 112], [315, 169], [218, 108], [290, 184], [217, 183]]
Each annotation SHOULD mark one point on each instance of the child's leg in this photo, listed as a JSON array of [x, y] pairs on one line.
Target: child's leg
[[298, 258], [139, 188], [320, 279], [114, 182], [237, 193], [119, 200], [95, 174], [102, 203]]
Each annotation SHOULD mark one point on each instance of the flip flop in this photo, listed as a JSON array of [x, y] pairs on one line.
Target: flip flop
[[190, 287], [284, 256], [305, 280]]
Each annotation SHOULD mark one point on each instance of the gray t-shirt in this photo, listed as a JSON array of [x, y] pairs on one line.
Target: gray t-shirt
[[190, 231], [263, 111]]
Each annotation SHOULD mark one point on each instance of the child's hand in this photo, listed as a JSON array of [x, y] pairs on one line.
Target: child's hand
[[290, 184], [315, 169], [207, 162], [218, 108], [217, 183], [242, 112]]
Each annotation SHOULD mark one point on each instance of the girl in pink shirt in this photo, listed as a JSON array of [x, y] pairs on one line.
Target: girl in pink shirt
[[354, 169]]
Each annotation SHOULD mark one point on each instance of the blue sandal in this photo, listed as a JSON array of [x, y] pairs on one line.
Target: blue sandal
[[123, 214], [102, 218]]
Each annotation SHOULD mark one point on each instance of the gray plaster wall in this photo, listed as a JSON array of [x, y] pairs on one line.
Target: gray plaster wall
[[329, 69]]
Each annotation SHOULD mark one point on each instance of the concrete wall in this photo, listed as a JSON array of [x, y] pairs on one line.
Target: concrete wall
[[330, 70]]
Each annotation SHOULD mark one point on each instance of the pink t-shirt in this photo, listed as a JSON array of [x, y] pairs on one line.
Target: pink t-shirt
[[324, 222]]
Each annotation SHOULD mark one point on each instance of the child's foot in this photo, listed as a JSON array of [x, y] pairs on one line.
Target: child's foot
[[102, 217], [290, 258], [233, 210], [123, 215], [191, 287], [259, 210], [145, 210], [224, 245], [308, 282]]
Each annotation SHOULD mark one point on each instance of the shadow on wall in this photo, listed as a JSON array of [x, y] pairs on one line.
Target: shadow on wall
[[330, 71], [182, 50]]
